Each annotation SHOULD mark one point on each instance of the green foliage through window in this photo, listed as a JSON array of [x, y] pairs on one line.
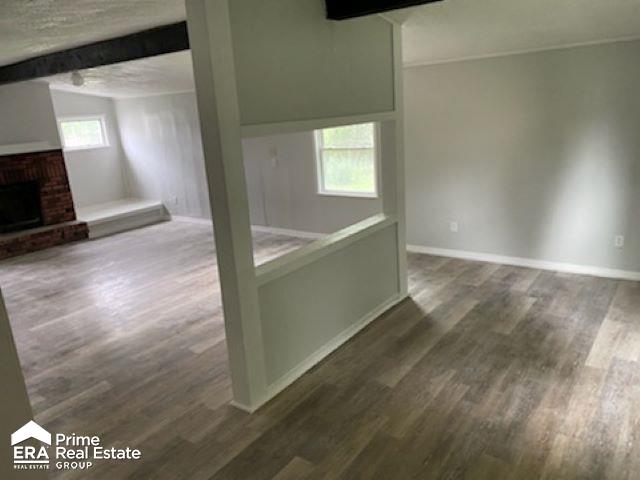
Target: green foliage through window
[[82, 133], [347, 157]]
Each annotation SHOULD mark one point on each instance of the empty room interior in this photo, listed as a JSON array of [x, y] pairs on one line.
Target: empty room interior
[[314, 239]]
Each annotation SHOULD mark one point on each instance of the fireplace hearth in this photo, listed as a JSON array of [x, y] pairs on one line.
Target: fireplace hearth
[[19, 207], [36, 206]]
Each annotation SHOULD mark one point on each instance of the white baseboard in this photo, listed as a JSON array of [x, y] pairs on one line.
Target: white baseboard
[[288, 232], [324, 351], [467, 255], [256, 228], [528, 262], [242, 406], [196, 220]]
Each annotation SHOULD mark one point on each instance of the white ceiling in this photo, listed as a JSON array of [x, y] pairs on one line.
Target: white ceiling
[[169, 73], [439, 32], [29, 28], [458, 29]]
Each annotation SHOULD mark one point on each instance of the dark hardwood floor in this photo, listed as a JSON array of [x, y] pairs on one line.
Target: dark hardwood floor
[[487, 372]]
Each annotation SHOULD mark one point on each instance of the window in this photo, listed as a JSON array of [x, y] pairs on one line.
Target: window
[[81, 133], [346, 160]]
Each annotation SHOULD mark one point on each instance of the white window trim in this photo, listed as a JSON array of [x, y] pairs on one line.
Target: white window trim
[[103, 124], [317, 140]]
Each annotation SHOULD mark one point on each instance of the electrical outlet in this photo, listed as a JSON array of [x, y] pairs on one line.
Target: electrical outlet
[[619, 241], [453, 226]]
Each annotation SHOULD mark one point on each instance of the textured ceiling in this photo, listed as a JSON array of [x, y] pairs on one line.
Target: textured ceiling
[[450, 30], [456, 29], [169, 73], [29, 28]]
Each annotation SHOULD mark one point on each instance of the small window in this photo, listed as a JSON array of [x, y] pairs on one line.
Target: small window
[[81, 133], [346, 161]]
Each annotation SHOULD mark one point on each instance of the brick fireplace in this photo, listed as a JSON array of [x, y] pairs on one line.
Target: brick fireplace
[[36, 206]]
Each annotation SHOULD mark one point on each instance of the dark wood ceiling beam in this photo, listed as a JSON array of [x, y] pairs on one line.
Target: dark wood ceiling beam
[[343, 9], [148, 43]]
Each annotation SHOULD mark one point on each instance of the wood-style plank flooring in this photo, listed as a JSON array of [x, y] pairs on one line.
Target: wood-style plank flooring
[[487, 372]]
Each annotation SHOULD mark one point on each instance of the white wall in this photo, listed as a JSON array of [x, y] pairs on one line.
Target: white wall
[[27, 114], [284, 194], [96, 175], [164, 160], [163, 157], [535, 155], [309, 308], [292, 63], [278, 59]]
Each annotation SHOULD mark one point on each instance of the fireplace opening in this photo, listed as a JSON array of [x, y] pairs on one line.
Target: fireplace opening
[[20, 207]]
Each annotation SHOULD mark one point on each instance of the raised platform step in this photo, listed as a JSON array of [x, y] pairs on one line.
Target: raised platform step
[[121, 215]]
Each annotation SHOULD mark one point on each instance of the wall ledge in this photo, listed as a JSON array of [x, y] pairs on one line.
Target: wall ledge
[[284, 265], [31, 147]]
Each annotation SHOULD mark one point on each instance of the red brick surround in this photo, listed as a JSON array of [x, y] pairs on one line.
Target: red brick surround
[[40, 238], [49, 170]]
